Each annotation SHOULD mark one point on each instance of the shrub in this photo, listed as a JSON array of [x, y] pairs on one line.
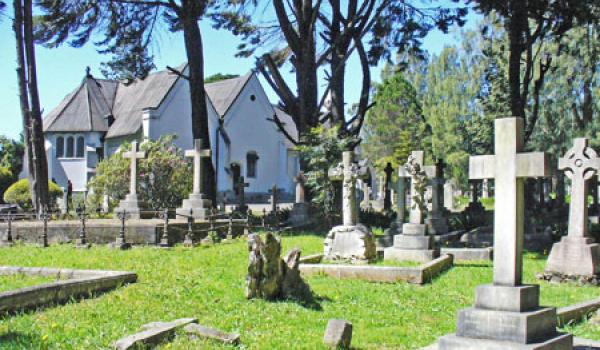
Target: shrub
[[18, 193], [6, 178]]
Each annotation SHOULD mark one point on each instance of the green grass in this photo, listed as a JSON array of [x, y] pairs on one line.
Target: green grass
[[208, 283], [11, 282]]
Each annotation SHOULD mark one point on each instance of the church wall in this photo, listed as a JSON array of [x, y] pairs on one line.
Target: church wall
[[249, 130]]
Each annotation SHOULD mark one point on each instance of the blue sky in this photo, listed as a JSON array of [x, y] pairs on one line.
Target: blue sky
[[61, 70]]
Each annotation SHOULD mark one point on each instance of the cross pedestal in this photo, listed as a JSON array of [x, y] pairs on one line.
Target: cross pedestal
[[414, 243], [197, 204], [577, 255], [300, 211], [131, 204], [351, 241], [506, 314]]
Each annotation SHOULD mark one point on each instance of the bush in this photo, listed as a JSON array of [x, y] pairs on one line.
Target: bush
[[6, 178], [18, 193]]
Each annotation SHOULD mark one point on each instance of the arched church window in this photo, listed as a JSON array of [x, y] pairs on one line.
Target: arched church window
[[80, 147], [251, 164], [70, 147], [60, 147]]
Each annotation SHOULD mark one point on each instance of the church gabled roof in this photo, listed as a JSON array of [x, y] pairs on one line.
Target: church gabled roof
[[84, 109], [223, 93]]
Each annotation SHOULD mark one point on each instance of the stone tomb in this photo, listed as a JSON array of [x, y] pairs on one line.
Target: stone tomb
[[577, 255], [69, 284], [351, 241], [414, 244], [507, 314]]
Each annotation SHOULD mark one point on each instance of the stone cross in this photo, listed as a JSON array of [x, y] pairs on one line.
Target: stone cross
[[387, 200], [417, 158], [197, 154], [348, 171], [134, 155], [273, 198], [300, 181], [580, 164], [240, 186], [508, 167]]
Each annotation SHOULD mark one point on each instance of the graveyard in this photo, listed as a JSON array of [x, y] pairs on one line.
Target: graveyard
[[357, 174]]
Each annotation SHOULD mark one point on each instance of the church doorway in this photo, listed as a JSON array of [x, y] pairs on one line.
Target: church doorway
[[236, 172]]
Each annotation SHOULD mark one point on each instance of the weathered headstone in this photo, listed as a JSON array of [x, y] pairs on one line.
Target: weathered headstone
[[507, 314], [300, 211], [7, 240], [450, 190], [197, 203], [64, 202], [273, 198], [338, 334], [131, 203], [351, 240], [436, 221], [577, 254], [366, 200], [414, 244], [271, 277]]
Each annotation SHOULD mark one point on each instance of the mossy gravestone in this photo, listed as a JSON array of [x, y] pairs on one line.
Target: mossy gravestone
[[271, 277]]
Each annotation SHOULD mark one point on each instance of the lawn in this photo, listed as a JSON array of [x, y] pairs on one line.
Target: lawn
[[208, 283], [21, 281]]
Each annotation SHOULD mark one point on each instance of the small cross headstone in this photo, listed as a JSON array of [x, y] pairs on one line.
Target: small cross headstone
[[81, 242], [121, 242], [577, 254], [240, 189], [350, 241]]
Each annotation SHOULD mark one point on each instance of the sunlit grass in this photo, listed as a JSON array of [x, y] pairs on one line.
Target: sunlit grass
[[208, 283], [12, 282]]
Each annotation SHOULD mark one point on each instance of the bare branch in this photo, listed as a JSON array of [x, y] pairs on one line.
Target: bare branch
[[176, 72]]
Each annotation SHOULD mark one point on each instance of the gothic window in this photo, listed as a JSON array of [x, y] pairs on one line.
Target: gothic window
[[251, 162], [80, 147], [60, 147], [70, 147]]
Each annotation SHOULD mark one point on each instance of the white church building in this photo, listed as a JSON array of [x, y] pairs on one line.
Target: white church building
[[99, 115]]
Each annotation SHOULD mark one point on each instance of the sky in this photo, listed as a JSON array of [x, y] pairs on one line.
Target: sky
[[62, 69]]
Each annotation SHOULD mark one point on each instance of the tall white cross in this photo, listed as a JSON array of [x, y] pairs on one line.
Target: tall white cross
[[508, 167], [197, 154], [348, 171], [580, 164], [134, 155], [416, 215]]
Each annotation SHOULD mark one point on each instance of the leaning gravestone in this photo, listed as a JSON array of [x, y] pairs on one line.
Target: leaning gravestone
[[197, 205], [351, 241], [414, 244], [577, 255], [507, 314], [338, 334], [131, 204]]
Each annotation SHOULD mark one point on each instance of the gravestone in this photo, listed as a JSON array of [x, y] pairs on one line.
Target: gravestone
[[240, 189], [273, 198], [64, 202], [300, 211], [131, 204], [450, 190], [338, 334], [507, 314], [197, 203], [350, 241], [366, 200], [436, 221], [414, 244], [577, 255], [387, 191]]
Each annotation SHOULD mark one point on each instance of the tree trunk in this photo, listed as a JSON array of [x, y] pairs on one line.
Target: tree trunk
[[516, 25], [195, 57]]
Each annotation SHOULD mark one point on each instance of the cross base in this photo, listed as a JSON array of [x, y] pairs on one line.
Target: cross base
[[574, 257], [199, 206], [164, 243], [351, 243], [412, 245], [506, 317], [133, 206]]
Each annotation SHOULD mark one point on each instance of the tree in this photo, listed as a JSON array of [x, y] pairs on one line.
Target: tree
[[30, 104], [218, 77], [395, 126], [128, 27], [11, 155], [528, 23]]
